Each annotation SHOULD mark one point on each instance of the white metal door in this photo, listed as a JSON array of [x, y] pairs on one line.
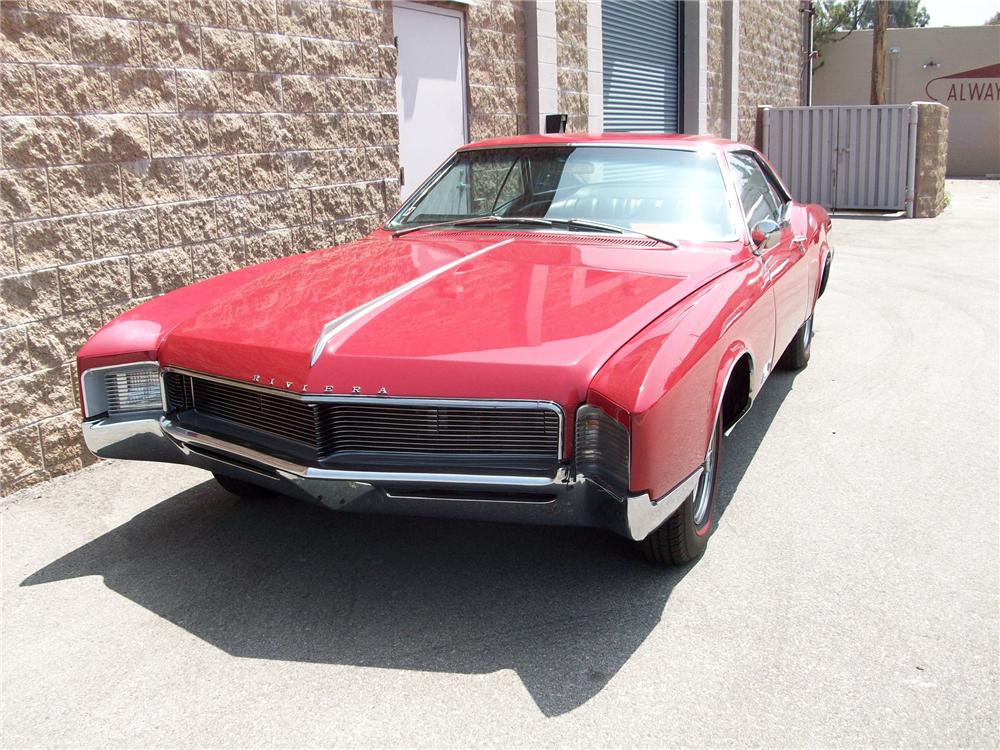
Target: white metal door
[[845, 157], [430, 89]]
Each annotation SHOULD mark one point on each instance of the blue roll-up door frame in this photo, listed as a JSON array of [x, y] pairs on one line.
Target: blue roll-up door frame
[[642, 42]]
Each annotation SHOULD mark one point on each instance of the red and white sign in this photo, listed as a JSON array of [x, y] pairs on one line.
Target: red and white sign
[[975, 85]]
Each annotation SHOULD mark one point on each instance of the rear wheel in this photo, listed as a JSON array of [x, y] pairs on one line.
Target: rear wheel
[[238, 487], [796, 356], [684, 536]]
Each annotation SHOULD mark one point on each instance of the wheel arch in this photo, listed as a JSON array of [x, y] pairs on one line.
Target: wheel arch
[[734, 392], [825, 275]]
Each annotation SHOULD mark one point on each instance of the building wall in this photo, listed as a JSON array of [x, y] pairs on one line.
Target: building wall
[[571, 62], [843, 76], [771, 59], [595, 67], [496, 61], [716, 73]]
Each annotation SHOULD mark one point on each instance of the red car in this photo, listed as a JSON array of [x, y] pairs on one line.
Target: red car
[[552, 329]]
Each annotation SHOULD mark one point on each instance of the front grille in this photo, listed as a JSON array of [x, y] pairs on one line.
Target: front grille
[[284, 417], [327, 429]]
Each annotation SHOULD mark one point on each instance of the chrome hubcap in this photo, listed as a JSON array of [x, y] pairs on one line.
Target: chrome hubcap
[[703, 494], [807, 333]]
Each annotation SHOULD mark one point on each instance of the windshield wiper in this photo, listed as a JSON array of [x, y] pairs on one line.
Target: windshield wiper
[[473, 220], [601, 226], [494, 219]]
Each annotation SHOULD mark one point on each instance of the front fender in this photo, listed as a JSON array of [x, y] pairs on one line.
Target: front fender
[[671, 376]]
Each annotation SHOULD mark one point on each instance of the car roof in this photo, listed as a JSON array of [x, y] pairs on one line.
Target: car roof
[[636, 139]]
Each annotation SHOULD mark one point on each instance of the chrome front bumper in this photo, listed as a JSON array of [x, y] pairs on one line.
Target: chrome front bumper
[[561, 499]]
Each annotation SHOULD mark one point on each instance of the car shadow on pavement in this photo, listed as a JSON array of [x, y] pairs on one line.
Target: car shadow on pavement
[[278, 579]]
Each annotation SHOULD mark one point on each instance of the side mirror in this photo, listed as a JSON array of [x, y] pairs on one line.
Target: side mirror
[[765, 235]]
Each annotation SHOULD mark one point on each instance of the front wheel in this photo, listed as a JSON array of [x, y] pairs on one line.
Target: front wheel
[[684, 536], [796, 356]]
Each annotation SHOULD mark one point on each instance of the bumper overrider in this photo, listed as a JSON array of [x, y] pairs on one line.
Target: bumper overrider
[[575, 493]]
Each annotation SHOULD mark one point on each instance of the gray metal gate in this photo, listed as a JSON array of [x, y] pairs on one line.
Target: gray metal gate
[[850, 157], [642, 65]]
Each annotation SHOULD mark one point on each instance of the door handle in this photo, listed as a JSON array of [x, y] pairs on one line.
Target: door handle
[[800, 240]]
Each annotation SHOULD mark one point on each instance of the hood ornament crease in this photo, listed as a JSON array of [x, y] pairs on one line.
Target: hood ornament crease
[[337, 325]]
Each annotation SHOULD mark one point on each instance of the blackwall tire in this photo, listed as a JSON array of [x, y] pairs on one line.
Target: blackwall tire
[[684, 536]]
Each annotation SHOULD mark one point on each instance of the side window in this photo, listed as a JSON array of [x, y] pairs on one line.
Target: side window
[[759, 200], [779, 194]]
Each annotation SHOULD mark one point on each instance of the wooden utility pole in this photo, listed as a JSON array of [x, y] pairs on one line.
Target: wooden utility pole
[[878, 51]]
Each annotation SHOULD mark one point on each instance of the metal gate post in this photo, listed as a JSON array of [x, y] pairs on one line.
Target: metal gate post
[[911, 163]]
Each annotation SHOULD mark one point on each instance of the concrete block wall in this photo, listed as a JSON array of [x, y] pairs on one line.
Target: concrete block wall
[[495, 46], [571, 63], [145, 145], [932, 159], [771, 59], [716, 73]]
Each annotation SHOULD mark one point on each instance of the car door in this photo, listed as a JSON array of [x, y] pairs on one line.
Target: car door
[[762, 199]]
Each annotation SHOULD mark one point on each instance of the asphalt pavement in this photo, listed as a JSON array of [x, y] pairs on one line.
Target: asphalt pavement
[[848, 597]]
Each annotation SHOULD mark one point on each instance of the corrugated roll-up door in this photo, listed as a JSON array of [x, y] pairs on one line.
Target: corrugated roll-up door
[[642, 65]]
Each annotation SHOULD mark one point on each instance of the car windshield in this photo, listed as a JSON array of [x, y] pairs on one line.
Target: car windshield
[[666, 193]]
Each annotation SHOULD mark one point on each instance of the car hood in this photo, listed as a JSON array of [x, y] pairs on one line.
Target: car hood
[[463, 314]]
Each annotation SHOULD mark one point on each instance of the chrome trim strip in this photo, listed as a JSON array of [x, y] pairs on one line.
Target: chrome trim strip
[[186, 437], [125, 365], [644, 515], [680, 146], [487, 501], [316, 398], [333, 327]]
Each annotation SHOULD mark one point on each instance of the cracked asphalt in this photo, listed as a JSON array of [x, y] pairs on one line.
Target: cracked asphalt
[[848, 597]]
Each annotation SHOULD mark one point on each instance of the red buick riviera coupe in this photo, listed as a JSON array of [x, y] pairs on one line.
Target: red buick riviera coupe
[[552, 329]]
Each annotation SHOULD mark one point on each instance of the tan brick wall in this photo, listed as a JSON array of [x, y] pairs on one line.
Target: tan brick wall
[[571, 62], [771, 59], [716, 74], [932, 159], [144, 145], [498, 102]]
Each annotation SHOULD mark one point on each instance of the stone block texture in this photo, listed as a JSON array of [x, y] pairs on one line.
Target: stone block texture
[[716, 68], [571, 63], [145, 145], [771, 59], [498, 104], [932, 159]]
